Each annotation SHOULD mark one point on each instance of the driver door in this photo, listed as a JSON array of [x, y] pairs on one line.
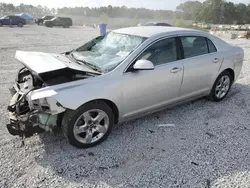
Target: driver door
[[57, 22], [146, 90], [6, 20]]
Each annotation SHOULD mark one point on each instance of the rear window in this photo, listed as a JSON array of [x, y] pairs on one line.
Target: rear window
[[65, 19], [211, 46]]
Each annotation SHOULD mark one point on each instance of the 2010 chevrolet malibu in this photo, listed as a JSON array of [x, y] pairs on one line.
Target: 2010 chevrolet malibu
[[128, 73]]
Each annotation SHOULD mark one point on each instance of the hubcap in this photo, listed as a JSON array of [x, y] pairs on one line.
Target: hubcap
[[222, 87], [91, 126]]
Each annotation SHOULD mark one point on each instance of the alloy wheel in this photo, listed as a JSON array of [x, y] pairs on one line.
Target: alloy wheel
[[222, 86], [91, 126]]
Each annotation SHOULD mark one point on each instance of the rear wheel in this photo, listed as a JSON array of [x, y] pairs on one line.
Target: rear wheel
[[20, 24], [221, 86], [89, 125]]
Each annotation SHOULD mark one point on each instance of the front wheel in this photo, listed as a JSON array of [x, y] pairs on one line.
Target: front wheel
[[89, 125], [221, 87]]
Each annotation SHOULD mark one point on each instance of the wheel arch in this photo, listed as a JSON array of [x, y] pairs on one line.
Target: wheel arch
[[231, 71], [111, 104]]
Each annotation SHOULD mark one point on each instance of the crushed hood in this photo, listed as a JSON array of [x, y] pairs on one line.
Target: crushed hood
[[41, 62]]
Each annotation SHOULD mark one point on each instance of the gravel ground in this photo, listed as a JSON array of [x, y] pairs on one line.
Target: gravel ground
[[207, 147]]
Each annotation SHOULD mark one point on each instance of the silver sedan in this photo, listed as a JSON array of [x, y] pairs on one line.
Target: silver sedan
[[123, 75]]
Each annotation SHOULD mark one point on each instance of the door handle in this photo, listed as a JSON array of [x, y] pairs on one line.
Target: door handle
[[176, 69], [216, 60]]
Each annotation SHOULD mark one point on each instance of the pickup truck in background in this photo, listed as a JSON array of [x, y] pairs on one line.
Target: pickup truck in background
[[40, 21]]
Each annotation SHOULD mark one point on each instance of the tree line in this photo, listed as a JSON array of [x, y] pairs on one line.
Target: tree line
[[23, 8], [216, 12], [118, 12], [209, 11]]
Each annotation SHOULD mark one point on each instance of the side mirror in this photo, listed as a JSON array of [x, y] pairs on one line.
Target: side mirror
[[143, 64]]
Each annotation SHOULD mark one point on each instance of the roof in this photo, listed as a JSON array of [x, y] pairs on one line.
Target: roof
[[148, 31]]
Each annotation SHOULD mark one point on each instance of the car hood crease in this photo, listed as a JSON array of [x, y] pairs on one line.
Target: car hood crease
[[41, 62]]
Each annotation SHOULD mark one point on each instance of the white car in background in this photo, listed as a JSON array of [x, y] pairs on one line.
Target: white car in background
[[126, 74]]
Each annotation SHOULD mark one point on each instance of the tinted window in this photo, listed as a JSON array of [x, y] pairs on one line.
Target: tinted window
[[194, 46], [211, 46], [161, 52]]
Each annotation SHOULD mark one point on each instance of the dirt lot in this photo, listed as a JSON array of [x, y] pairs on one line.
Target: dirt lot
[[208, 146]]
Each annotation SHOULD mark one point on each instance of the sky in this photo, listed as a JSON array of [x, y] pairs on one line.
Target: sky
[[150, 4]]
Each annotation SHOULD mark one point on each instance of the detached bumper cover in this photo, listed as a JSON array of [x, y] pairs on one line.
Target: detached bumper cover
[[26, 122], [22, 124]]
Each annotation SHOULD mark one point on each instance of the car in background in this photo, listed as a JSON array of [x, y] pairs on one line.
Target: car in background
[[65, 22], [123, 75], [156, 24], [12, 20], [40, 21]]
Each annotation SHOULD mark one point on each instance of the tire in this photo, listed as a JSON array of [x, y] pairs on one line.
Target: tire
[[218, 87], [78, 134], [20, 24], [49, 25]]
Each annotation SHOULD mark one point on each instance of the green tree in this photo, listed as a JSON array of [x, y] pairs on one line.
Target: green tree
[[190, 9]]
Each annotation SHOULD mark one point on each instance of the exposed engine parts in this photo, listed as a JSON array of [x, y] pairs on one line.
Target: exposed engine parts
[[30, 117]]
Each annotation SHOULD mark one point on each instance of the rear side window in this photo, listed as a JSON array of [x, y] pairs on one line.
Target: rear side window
[[211, 46], [194, 46]]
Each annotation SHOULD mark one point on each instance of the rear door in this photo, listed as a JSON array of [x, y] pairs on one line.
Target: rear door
[[13, 20], [201, 65]]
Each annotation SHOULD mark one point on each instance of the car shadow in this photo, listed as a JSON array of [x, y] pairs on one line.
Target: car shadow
[[196, 144]]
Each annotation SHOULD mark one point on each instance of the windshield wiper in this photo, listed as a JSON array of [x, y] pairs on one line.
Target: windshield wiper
[[92, 66]]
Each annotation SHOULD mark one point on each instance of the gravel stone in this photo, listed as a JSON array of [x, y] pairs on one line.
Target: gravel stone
[[207, 147]]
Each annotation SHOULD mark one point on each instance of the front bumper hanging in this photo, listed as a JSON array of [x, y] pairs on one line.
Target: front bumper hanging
[[23, 121]]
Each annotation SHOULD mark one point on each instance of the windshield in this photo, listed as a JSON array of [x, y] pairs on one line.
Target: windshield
[[109, 51]]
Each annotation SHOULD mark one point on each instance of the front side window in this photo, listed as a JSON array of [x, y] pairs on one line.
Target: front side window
[[194, 46], [161, 52]]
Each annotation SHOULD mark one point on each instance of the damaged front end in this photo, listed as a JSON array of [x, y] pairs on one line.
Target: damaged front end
[[29, 113]]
